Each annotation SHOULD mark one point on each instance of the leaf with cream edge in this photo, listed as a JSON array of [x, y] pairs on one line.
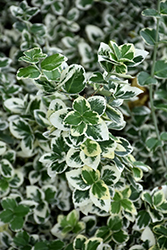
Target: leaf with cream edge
[[2, 147], [92, 162], [110, 174], [123, 147], [108, 147], [98, 132], [81, 105], [15, 105], [90, 148], [89, 175], [100, 195], [6, 168]]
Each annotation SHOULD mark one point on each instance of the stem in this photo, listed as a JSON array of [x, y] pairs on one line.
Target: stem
[[151, 89]]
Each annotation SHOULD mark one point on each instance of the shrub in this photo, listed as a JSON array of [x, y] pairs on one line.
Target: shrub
[[82, 163]]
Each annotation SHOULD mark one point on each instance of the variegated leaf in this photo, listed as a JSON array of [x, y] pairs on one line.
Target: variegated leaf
[[75, 180], [81, 105], [57, 118], [110, 174], [92, 162], [90, 148], [73, 158], [89, 175], [98, 132], [81, 198], [97, 103]]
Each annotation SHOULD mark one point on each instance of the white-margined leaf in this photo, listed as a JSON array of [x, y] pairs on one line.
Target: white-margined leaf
[[98, 132], [73, 79], [127, 92], [110, 174], [57, 118], [89, 175], [73, 158], [108, 147], [28, 72], [79, 130], [15, 105], [52, 62], [75, 179], [81, 198], [90, 148], [77, 140], [93, 243], [81, 105], [148, 235], [40, 117], [92, 162], [56, 168], [35, 193], [100, 195], [41, 213], [2, 147], [6, 168], [20, 128], [143, 220], [98, 104], [123, 147], [84, 4], [94, 33], [17, 178], [56, 105], [114, 114]]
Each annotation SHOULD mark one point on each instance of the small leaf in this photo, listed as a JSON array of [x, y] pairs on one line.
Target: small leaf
[[145, 79], [158, 198], [149, 35], [81, 105], [6, 215], [17, 223], [9, 203], [120, 236], [28, 72], [163, 8], [150, 13], [73, 79], [92, 243], [114, 223], [90, 148], [143, 219], [163, 136], [97, 103], [21, 239], [160, 70], [73, 118], [100, 190], [52, 62], [89, 175], [75, 179]]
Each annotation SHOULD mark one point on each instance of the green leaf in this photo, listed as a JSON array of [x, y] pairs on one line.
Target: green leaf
[[158, 198], [121, 69], [160, 230], [104, 233], [41, 246], [160, 70], [33, 55], [6, 215], [163, 136], [78, 242], [145, 79], [152, 143], [123, 147], [150, 13], [73, 118], [28, 72], [73, 79], [90, 148], [5, 62], [137, 173], [79, 130], [143, 219], [161, 106], [81, 105], [97, 103], [53, 75], [89, 175], [21, 239], [163, 8], [91, 117], [162, 242], [108, 147], [120, 236], [9, 203], [114, 223], [149, 36], [17, 223], [127, 52], [146, 196], [52, 62], [92, 243], [56, 244], [100, 190], [73, 217], [21, 210]]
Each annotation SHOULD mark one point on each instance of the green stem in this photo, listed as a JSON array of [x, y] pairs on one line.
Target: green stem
[[151, 89]]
